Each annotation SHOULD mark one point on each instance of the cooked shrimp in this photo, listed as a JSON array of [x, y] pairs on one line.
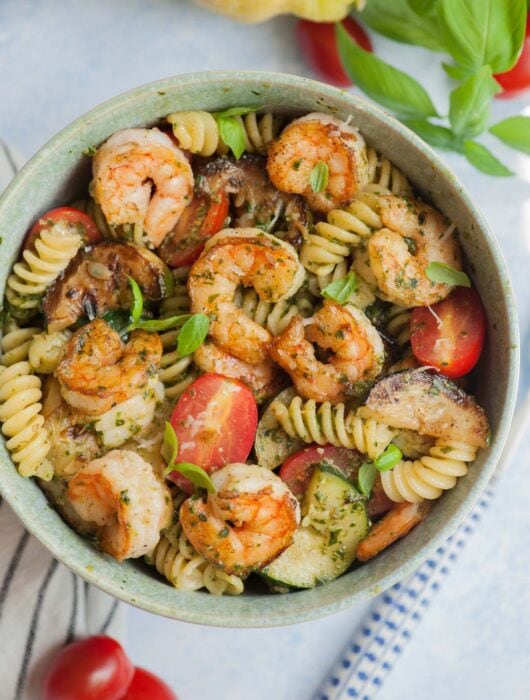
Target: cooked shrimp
[[250, 519], [99, 371], [398, 255], [397, 523], [249, 257], [313, 139], [356, 346], [141, 177], [265, 379], [120, 493]]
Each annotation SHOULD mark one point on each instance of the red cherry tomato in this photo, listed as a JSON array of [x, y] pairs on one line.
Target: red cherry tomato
[[96, 668], [517, 79], [451, 340], [319, 47], [215, 420], [296, 470], [147, 686], [75, 218], [199, 221]]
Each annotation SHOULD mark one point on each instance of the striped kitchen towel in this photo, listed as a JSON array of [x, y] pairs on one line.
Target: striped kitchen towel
[[43, 605]]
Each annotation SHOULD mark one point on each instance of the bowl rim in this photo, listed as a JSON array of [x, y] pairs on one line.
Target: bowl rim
[[250, 619]]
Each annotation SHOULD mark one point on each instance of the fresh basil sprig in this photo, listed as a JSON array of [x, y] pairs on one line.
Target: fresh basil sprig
[[479, 156], [368, 471], [192, 334], [514, 132], [319, 177], [469, 110], [445, 274], [193, 472], [231, 130], [340, 290]]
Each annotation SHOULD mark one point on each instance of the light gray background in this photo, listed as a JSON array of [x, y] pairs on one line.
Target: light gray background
[[59, 58]]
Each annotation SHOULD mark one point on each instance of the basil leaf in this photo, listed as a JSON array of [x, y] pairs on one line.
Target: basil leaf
[[479, 156], [192, 334], [170, 445], [194, 473], [235, 112], [439, 136], [159, 324], [514, 132], [117, 319], [445, 274], [409, 21], [481, 32], [366, 478], [456, 72], [388, 460], [137, 302], [319, 176], [383, 83], [469, 111], [341, 290]]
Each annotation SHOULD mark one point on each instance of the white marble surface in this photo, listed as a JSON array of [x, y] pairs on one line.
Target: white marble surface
[[59, 58]]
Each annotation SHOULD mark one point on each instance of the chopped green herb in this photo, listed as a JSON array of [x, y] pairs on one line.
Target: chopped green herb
[[319, 176], [341, 290], [445, 274], [388, 460]]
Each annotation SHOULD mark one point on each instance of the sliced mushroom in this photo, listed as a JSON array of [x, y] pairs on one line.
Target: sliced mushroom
[[96, 278], [429, 404]]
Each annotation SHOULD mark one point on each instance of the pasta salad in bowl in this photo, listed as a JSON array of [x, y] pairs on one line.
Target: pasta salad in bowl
[[256, 341]]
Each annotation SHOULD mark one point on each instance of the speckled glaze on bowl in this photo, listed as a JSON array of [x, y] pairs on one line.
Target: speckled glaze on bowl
[[58, 173]]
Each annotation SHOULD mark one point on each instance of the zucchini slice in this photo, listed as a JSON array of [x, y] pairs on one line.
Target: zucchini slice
[[334, 522]]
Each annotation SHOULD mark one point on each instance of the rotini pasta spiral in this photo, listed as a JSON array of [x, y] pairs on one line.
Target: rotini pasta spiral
[[344, 229], [330, 425], [398, 324], [429, 476], [22, 424], [385, 178], [15, 344], [175, 558], [46, 349], [198, 132], [274, 317], [54, 248]]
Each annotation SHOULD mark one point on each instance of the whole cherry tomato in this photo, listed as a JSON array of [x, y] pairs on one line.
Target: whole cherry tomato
[[74, 218], [517, 79], [147, 686], [450, 334], [96, 668], [319, 47]]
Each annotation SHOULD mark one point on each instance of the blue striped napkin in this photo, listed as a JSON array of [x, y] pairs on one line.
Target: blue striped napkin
[[382, 636]]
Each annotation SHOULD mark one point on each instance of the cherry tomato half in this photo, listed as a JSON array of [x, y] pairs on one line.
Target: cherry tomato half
[[96, 668], [319, 47], [296, 470], [450, 338], [199, 221], [147, 686], [517, 79], [81, 222], [215, 420]]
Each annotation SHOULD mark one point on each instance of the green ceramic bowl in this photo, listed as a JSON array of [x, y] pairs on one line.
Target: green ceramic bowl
[[59, 173]]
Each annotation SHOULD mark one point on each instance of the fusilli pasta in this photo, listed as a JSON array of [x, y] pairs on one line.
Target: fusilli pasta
[[53, 249], [344, 229], [275, 317], [22, 424], [326, 424], [15, 343], [398, 324], [385, 178], [429, 476]]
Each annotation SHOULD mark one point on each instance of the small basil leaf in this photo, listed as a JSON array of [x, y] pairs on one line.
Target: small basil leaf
[[514, 132], [235, 112], [445, 274], [366, 478], [195, 474], [341, 290], [319, 176], [483, 32], [382, 82], [469, 111], [479, 156], [160, 324], [233, 134], [170, 445], [438, 136], [409, 21], [192, 334], [388, 460], [137, 300]]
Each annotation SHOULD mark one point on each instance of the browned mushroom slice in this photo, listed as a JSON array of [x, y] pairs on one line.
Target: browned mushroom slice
[[96, 278], [430, 404]]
